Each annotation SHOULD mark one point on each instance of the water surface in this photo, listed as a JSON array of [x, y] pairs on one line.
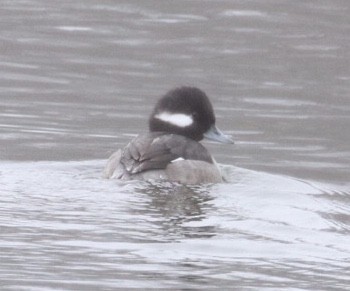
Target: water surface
[[78, 80]]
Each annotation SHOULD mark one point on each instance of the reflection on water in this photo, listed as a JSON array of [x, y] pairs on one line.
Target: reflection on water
[[78, 79], [177, 206]]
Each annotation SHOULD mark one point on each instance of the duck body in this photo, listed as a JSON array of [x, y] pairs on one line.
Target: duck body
[[162, 156], [171, 151]]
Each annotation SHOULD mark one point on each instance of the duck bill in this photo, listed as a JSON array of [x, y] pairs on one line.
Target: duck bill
[[215, 134]]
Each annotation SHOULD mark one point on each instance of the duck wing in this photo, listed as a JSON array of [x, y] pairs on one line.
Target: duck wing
[[156, 150]]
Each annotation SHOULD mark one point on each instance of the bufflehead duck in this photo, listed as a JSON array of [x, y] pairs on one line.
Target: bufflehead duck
[[171, 151]]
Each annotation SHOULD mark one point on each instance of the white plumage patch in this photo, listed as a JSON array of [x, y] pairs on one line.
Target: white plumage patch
[[177, 119], [177, 160]]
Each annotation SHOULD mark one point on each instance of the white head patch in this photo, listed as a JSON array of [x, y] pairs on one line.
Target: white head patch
[[177, 119]]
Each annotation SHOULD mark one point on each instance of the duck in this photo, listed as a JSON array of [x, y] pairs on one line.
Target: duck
[[171, 150]]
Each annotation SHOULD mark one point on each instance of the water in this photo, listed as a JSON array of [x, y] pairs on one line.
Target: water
[[78, 80]]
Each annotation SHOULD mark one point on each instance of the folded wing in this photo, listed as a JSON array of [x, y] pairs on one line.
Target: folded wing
[[156, 150]]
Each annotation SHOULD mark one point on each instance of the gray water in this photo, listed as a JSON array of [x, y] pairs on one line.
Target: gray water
[[78, 80]]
